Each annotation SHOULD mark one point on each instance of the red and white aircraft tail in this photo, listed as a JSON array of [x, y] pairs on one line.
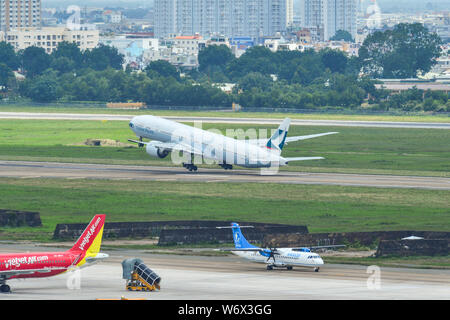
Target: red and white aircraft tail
[[85, 251]]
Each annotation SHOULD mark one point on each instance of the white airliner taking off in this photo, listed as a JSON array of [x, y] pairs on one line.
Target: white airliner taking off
[[167, 136], [275, 257]]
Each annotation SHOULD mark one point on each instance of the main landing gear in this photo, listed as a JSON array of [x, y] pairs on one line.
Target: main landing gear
[[316, 269], [190, 166], [270, 267], [226, 166]]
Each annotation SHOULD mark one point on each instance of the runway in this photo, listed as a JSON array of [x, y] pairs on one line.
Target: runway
[[23, 169], [225, 278], [232, 120]]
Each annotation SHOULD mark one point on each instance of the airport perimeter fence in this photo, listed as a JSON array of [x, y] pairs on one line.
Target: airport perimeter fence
[[333, 111], [62, 105]]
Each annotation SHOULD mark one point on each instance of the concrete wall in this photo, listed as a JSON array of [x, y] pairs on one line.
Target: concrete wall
[[214, 235], [175, 231], [13, 218], [430, 247], [362, 238]]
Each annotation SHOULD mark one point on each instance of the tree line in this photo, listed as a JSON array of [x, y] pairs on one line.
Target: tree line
[[68, 74], [263, 79]]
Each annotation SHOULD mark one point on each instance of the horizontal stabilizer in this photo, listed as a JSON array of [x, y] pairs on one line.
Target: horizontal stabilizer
[[311, 136], [263, 142], [303, 159]]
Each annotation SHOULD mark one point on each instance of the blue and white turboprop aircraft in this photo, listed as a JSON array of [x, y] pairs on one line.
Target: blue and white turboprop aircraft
[[170, 136], [275, 257]]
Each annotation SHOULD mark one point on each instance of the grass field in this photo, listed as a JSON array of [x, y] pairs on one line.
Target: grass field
[[420, 117], [354, 150], [321, 208]]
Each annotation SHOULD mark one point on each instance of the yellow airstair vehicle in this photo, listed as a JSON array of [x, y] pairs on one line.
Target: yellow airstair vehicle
[[139, 277]]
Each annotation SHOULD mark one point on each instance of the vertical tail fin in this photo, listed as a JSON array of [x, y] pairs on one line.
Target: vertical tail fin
[[90, 240], [276, 142], [239, 240]]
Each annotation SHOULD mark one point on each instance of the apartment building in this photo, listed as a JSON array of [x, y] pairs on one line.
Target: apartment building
[[49, 38], [19, 13], [231, 18], [329, 16]]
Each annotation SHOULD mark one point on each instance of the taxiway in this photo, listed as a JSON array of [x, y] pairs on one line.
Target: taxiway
[[187, 277]]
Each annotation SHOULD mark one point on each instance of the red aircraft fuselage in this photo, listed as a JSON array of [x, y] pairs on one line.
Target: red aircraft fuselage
[[45, 264]]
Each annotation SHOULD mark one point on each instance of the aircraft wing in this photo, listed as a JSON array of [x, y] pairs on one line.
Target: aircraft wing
[[326, 247], [321, 247], [274, 251], [171, 146]]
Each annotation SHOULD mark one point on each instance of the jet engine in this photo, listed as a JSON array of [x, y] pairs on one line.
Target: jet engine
[[157, 152]]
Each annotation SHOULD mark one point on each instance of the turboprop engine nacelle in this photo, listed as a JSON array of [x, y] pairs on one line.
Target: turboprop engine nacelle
[[157, 152]]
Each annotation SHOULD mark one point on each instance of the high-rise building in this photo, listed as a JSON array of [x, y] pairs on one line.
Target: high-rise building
[[289, 12], [19, 13], [329, 16], [165, 17], [231, 18]]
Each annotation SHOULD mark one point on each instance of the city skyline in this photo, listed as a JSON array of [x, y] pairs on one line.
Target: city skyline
[[232, 18]]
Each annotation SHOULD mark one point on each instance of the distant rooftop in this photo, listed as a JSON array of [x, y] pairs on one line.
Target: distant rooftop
[[399, 86], [188, 37]]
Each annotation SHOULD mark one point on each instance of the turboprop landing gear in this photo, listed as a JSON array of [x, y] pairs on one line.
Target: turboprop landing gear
[[316, 269], [226, 166], [5, 288], [269, 267]]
